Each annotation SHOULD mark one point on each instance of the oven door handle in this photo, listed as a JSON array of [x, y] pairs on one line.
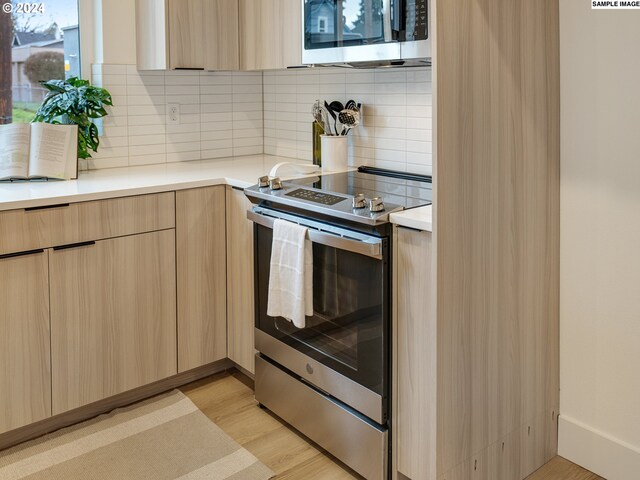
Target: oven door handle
[[366, 245]]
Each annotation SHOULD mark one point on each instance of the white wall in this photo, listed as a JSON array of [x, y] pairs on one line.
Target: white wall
[[600, 239]]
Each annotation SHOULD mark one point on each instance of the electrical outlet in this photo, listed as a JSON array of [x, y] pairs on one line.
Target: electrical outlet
[[173, 113]]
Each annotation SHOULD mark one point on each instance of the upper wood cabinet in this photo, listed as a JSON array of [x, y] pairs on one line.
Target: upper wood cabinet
[[201, 261], [221, 35], [270, 34], [240, 302], [25, 376], [187, 41], [187, 34]]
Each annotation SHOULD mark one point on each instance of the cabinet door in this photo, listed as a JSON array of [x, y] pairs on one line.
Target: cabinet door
[[415, 353], [25, 368], [113, 317], [240, 301], [270, 34], [186, 34], [221, 46], [202, 310]]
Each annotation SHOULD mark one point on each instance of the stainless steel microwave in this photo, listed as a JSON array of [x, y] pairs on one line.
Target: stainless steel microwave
[[366, 32]]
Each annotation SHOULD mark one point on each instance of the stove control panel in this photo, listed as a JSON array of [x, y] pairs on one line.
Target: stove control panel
[[366, 206], [315, 196]]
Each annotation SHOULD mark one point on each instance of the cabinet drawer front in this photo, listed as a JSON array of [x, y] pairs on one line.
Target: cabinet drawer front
[[31, 229]]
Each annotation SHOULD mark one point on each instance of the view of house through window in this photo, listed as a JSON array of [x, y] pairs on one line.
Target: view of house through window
[[39, 41]]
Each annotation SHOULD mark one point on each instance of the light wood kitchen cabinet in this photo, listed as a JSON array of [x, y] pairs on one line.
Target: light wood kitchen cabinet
[[240, 300], [113, 317], [270, 34], [187, 34], [25, 376], [50, 226], [415, 355], [222, 42], [201, 263]]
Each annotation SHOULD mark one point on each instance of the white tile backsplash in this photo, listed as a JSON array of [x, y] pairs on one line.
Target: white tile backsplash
[[396, 129], [137, 130], [225, 114]]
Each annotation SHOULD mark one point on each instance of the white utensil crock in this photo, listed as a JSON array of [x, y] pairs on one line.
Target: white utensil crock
[[334, 153]]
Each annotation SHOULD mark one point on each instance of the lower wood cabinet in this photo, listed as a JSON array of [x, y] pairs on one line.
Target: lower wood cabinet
[[113, 317], [240, 302], [25, 368], [201, 263], [415, 356]]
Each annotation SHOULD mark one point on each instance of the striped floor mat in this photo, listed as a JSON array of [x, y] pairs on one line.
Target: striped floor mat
[[166, 437]]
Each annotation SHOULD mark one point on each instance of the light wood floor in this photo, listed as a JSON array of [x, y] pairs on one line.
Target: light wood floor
[[227, 399]]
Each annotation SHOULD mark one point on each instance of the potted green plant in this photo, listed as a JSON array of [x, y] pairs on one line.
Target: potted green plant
[[75, 102]]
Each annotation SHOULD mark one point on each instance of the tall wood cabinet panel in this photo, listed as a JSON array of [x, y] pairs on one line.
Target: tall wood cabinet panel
[[497, 171], [113, 317], [201, 263], [25, 367], [270, 34], [240, 301], [415, 348]]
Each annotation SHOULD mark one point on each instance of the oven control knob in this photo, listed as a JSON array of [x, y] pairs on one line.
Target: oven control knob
[[359, 201], [275, 183], [263, 182], [376, 204]]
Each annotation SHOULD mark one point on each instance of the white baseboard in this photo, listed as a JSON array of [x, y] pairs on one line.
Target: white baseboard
[[596, 451]]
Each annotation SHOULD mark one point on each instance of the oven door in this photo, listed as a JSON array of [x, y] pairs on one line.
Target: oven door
[[345, 31], [344, 348]]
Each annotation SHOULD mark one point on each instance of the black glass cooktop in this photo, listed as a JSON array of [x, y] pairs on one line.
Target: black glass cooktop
[[408, 192]]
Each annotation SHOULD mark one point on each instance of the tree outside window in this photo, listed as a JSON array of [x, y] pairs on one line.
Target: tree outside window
[[39, 41]]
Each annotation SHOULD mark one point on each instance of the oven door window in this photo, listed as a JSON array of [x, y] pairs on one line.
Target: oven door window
[[347, 331], [344, 23]]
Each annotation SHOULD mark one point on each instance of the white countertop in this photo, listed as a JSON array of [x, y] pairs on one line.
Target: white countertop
[[126, 181], [420, 218]]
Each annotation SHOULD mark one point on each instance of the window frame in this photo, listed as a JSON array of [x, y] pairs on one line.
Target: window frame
[[324, 20]]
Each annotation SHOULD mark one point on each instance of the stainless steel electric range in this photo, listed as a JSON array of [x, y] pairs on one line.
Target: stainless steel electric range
[[331, 379]]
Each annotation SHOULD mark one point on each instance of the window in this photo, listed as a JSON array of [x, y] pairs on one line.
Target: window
[[322, 24], [39, 41]]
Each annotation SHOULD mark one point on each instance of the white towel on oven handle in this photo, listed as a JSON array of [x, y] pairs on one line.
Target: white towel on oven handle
[[291, 273]]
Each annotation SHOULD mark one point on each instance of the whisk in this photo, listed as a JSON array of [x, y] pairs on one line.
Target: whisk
[[349, 118]]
